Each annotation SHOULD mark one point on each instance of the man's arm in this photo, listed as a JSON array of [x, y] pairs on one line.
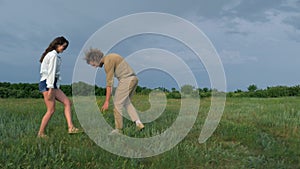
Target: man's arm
[[108, 94]]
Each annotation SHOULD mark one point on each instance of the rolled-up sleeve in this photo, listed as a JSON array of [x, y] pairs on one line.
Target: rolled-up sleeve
[[109, 67]]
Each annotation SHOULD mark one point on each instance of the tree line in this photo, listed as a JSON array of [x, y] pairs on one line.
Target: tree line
[[30, 90], [275, 91]]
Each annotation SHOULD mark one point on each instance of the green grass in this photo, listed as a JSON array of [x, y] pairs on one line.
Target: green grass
[[253, 133]]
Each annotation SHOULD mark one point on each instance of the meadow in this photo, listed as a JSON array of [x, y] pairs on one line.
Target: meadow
[[253, 133]]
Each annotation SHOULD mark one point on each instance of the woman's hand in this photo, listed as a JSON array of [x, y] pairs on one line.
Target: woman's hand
[[51, 95]]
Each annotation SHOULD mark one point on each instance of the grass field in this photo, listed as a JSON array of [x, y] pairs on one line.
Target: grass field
[[253, 133]]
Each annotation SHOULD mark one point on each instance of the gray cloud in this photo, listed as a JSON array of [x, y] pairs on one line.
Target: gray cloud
[[235, 57], [253, 10], [293, 20]]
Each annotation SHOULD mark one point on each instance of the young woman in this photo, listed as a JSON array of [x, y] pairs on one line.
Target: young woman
[[49, 87], [115, 65]]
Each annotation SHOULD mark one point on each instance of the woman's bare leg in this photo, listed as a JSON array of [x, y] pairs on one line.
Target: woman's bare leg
[[61, 97], [50, 104]]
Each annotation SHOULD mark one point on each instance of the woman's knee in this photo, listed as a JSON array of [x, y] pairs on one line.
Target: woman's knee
[[68, 102], [50, 111]]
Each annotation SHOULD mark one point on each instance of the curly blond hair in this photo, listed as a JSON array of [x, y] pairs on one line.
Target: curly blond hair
[[93, 55]]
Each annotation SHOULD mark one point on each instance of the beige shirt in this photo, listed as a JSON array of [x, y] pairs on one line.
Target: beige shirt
[[116, 66]]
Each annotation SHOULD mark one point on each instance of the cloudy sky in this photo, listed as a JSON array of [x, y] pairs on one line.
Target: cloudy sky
[[258, 41]]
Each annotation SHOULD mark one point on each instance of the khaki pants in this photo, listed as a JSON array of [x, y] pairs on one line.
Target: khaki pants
[[122, 99]]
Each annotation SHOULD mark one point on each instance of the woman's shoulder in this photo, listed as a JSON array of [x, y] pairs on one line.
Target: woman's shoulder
[[53, 53]]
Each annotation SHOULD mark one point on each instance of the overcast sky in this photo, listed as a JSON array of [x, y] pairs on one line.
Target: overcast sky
[[258, 41]]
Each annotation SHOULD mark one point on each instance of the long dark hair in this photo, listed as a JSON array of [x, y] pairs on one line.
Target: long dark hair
[[53, 46]]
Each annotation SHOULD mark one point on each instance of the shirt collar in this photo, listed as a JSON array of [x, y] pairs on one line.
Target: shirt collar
[[56, 53]]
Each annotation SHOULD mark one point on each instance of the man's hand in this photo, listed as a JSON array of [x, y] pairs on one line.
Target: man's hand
[[106, 103], [105, 106]]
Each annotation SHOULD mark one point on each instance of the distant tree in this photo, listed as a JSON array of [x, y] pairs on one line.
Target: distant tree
[[238, 91], [252, 88], [82, 89], [20, 94], [67, 89], [5, 84], [277, 91], [35, 94], [174, 95], [173, 89], [187, 89], [162, 89], [195, 93], [145, 91], [230, 94], [294, 91], [138, 89], [4, 92], [99, 91], [205, 90]]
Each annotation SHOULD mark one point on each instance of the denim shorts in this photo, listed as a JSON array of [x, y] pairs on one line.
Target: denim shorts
[[43, 85]]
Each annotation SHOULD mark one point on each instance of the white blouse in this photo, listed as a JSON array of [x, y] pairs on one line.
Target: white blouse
[[50, 68]]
